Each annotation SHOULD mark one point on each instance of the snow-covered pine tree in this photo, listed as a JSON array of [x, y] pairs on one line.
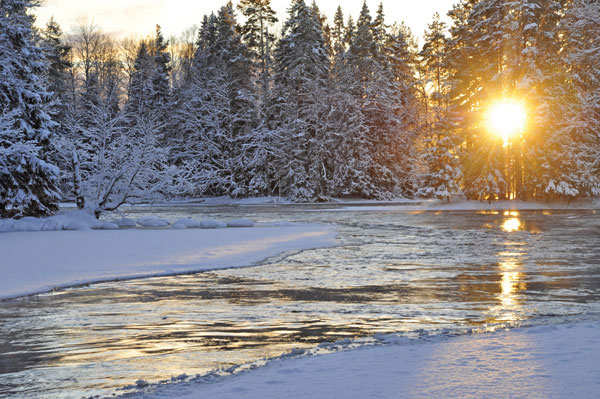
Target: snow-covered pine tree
[[296, 106], [580, 30], [459, 64], [218, 110], [362, 58], [539, 165], [182, 50], [513, 49], [260, 17], [161, 87], [400, 54], [338, 34], [57, 54], [487, 159], [442, 170], [149, 91], [61, 84], [476, 56], [28, 183], [195, 122], [347, 131], [140, 91], [261, 154], [241, 118], [381, 88], [379, 29]]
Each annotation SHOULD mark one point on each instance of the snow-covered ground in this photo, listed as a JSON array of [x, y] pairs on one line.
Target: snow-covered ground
[[539, 362], [38, 261]]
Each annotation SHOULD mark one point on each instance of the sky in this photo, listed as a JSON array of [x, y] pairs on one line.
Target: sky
[[124, 18]]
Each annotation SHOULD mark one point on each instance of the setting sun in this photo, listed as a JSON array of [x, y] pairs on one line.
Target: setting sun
[[506, 118]]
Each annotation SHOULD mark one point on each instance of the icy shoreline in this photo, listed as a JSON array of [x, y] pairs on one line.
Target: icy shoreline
[[392, 204], [40, 261], [535, 362]]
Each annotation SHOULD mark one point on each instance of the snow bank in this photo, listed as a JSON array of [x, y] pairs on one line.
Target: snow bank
[[72, 220], [151, 221], [42, 260], [212, 224], [189, 223], [80, 220], [542, 362]]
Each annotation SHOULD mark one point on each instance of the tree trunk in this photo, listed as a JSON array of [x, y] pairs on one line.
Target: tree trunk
[[79, 198]]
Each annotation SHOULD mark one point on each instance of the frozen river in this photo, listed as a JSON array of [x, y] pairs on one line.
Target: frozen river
[[394, 272]]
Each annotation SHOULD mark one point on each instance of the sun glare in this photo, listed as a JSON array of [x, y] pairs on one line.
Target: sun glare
[[511, 225], [506, 118]]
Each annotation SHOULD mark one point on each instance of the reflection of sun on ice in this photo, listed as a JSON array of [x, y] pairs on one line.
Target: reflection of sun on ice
[[506, 118]]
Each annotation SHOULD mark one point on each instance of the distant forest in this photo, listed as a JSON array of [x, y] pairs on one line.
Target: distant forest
[[315, 110]]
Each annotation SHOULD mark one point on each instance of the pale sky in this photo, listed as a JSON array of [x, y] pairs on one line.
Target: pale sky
[[139, 17]]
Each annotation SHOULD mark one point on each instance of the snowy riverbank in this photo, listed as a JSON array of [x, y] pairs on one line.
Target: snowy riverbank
[[38, 261], [539, 362]]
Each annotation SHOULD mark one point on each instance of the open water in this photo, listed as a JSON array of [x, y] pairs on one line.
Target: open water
[[393, 272]]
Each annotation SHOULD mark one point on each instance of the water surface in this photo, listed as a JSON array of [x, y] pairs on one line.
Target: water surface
[[394, 272]]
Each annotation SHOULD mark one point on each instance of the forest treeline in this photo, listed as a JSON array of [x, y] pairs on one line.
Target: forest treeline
[[314, 110]]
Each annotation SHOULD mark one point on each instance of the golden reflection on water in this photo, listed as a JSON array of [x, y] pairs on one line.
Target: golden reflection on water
[[511, 273], [512, 277], [512, 283], [487, 212], [511, 225]]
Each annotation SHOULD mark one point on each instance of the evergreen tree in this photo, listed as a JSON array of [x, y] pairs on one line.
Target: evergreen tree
[[443, 173], [161, 87], [57, 54], [257, 37], [401, 60], [481, 57], [140, 92], [350, 160], [386, 99], [510, 49], [338, 33], [28, 183], [580, 122], [218, 111], [296, 105]]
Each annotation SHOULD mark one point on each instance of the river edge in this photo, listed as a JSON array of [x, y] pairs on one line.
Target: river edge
[[38, 262], [552, 361]]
